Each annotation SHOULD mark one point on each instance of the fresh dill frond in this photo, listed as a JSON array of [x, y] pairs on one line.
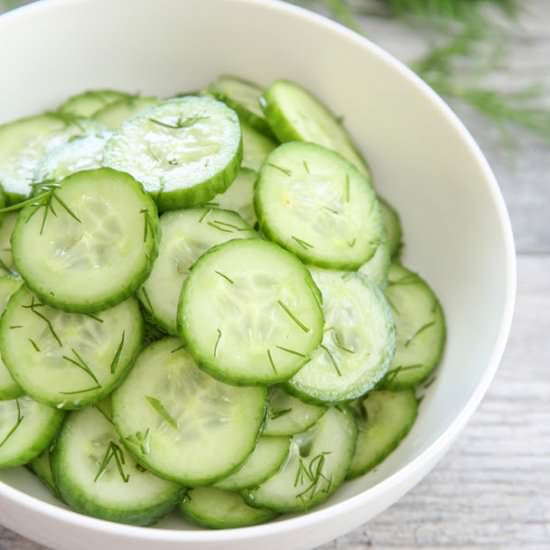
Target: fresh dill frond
[[466, 43], [450, 9]]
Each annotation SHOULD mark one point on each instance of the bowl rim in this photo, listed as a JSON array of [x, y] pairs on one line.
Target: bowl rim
[[439, 446]]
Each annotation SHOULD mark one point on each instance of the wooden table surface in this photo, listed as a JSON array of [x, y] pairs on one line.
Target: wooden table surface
[[492, 490]]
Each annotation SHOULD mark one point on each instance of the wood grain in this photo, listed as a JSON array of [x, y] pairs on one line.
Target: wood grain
[[492, 491]]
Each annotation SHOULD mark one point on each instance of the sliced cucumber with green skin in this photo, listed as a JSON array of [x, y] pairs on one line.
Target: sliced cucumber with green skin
[[26, 429], [9, 389], [383, 418], [358, 342], [240, 196], [392, 225], [316, 466], [256, 147], [420, 327], [6, 229], [88, 103], [185, 236], [68, 360], [249, 312], [96, 250], [2, 205], [317, 205], [294, 114], [264, 462], [378, 267], [217, 509], [82, 153], [41, 466], [168, 409], [97, 476], [115, 114], [184, 151], [23, 145], [288, 415], [244, 97]]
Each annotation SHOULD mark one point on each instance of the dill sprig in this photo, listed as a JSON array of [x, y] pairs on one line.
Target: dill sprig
[[162, 411], [314, 476], [180, 122], [33, 306], [271, 362], [113, 452], [447, 9], [281, 169], [392, 374], [13, 429], [79, 362], [332, 360], [116, 357], [225, 227], [224, 276], [273, 415], [291, 351], [417, 332], [141, 440], [218, 339], [292, 316], [46, 198], [304, 244]]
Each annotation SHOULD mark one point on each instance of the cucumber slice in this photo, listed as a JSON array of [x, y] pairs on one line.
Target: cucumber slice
[[9, 389], [2, 205], [185, 235], [265, 461], [114, 115], [68, 360], [288, 415], [82, 153], [315, 204], [87, 104], [244, 97], [219, 509], [378, 267], [41, 466], [26, 429], [358, 341], [315, 468], [392, 225], [240, 196], [168, 409], [249, 312], [294, 114], [383, 418], [96, 250], [25, 142], [97, 476], [420, 327], [184, 151], [6, 229], [256, 147]]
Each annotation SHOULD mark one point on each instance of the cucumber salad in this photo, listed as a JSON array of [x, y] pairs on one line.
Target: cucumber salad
[[202, 305]]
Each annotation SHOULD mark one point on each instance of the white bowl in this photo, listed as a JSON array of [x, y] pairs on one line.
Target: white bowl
[[455, 223]]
